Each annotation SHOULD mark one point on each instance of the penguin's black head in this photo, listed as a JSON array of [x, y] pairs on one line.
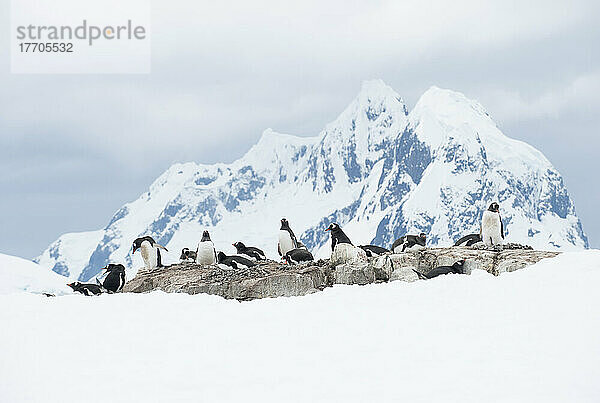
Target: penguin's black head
[[205, 236], [114, 267], [459, 263], [333, 227], [221, 256], [138, 242], [239, 246], [74, 285], [423, 236], [284, 223], [495, 207]]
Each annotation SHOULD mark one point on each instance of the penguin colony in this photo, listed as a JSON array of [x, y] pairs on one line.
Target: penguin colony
[[291, 250]]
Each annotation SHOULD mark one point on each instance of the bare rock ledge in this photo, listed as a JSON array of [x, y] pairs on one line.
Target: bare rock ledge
[[271, 279]]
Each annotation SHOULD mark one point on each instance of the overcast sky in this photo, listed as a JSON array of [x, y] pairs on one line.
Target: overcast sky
[[77, 147]]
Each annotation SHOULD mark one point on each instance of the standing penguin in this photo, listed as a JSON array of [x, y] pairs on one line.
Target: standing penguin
[[492, 229], [287, 239], [337, 235], [408, 242], [115, 277], [206, 253], [150, 251]]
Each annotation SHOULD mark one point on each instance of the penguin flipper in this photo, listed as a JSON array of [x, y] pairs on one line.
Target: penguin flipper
[[501, 226]]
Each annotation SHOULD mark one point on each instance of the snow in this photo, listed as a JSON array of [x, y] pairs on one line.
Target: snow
[[19, 275], [530, 335]]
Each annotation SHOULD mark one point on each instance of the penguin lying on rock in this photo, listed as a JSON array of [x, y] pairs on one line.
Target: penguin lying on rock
[[235, 262], [86, 289], [456, 268], [115, 278], [150, 251], [249, 251], [373, 250], [468, 240], [298, 255], [409, 242], [187, 255]]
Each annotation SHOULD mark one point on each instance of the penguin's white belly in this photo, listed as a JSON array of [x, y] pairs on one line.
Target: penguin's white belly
[[206, 253], [490, 228], [285, 242], [149, 255]]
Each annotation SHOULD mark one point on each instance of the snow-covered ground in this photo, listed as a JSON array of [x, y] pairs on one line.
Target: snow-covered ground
[[17, 275], [528, 336]]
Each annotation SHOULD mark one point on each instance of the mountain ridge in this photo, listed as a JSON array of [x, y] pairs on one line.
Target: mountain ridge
[[377, 169]]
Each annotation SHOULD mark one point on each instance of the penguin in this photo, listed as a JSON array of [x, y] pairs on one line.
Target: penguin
[[298, 255], [337, 235], [187, 255], [287, 239], [150, 251], [373, 250], [115, 277], [236, 262], [250, 251], [408, 242], [86, 289], [492, 229], [468, 240], [206, 253], [456, 268]]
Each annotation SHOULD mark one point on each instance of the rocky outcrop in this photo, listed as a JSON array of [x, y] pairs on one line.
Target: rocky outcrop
[[272, 279]]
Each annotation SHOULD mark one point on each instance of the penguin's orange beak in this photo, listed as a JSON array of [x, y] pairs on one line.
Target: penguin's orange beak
[[327, 230]]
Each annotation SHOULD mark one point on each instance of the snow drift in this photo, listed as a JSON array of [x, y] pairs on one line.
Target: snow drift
[[20, 275], [531, 335]]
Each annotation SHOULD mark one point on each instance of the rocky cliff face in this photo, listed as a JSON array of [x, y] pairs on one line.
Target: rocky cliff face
[[377, 170], [271, 279]]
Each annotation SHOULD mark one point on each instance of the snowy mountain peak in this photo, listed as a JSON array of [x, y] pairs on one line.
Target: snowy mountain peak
[[377, 170]]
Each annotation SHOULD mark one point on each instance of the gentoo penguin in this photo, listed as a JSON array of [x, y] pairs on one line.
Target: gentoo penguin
[[456, 268], [250, 251], [150, 251], [115, 277], [236, 262], [287, 239], [408, 242], [86, 289], [373, 250], [337, 235], [298, 255], [468, 240], [492, 229], [187, 255], [206, 253]]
